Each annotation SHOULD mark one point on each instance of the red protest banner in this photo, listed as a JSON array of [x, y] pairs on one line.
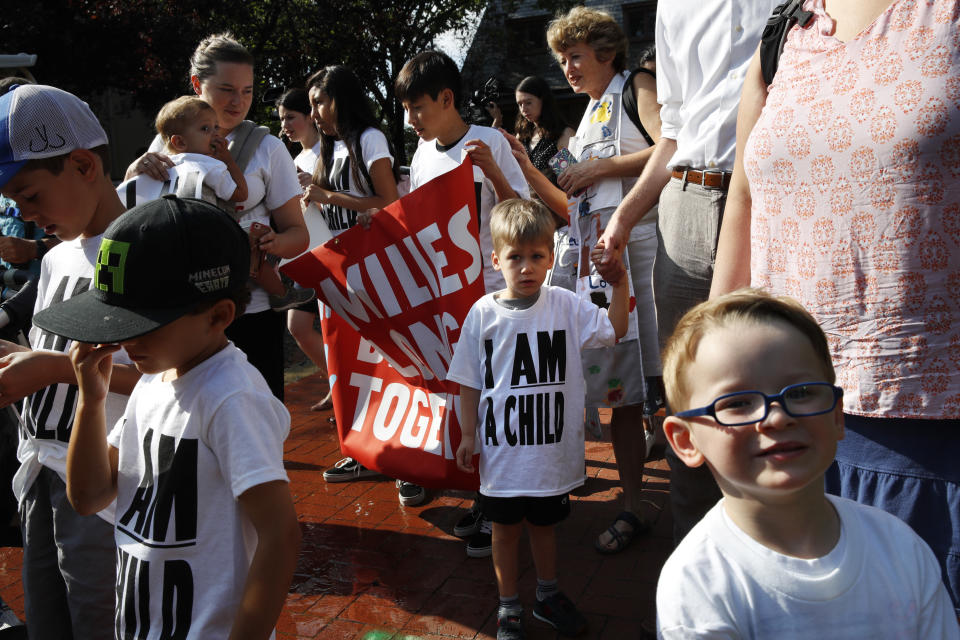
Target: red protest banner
[[399, 293]]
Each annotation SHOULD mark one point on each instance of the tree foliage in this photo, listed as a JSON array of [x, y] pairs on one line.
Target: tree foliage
[[143, 46]]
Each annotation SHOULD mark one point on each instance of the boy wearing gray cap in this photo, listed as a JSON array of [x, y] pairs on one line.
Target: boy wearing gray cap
[[54, 163]]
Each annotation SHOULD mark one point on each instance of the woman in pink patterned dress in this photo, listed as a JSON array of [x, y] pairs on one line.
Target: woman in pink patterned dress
[[846, 196]]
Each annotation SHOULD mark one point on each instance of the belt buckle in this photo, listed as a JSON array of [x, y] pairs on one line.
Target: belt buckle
[[718, 172]]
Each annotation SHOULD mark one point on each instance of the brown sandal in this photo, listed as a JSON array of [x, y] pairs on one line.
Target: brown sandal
[[622, 539]]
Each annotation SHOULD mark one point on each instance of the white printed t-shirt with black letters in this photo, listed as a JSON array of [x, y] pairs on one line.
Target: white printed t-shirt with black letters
[[191, 172], [373, 145], [188, 448], [432, 160], [47, 416], [526, 364]]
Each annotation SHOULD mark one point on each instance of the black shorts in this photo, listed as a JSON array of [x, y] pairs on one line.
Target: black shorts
[[539, 511], [260, 336]]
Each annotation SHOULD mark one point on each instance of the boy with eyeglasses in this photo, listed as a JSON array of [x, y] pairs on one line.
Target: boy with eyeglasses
[[750, 381]]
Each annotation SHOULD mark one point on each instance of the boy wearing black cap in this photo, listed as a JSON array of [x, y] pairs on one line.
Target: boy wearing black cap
[[206, 531], [54, 164]]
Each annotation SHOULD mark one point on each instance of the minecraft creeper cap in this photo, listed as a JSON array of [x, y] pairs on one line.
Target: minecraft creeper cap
[[38, 121], [156, 263]]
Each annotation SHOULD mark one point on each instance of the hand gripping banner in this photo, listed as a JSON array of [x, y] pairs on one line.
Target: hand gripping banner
[[399, 293]]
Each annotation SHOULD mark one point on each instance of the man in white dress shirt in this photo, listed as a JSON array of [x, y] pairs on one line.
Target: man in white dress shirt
[[702, 57]]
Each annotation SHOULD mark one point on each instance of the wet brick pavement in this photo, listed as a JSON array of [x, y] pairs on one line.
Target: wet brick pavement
[[372, 570]]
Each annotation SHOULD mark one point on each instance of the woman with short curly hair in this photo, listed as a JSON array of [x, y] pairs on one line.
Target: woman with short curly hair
[[592, 27]]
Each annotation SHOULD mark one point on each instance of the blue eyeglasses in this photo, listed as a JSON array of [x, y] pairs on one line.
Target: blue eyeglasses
[[750, 407]]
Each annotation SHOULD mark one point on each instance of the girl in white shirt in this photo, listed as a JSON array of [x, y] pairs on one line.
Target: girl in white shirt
[[355, 175], [296, 125]]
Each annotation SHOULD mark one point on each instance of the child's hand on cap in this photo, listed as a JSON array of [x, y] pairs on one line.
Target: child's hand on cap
[[612, 270], [93, 366]]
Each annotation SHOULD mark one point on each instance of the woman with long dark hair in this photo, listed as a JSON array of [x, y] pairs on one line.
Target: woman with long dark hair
[[540, 126], [354, 177], [355, 173], [297, 125]]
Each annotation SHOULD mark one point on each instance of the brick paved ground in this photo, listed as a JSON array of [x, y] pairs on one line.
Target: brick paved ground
[[372, 570]]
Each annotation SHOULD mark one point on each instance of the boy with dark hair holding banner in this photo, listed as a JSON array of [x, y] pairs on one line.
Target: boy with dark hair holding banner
[[205, 528], [521, 392], [430, 89]]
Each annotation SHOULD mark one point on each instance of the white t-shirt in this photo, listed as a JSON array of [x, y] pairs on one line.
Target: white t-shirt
[[374, 146], [271, 182], [47, 416], [306, 160], [526, 364], [187, 450], [192, 172], [429, 162], [880, 581]]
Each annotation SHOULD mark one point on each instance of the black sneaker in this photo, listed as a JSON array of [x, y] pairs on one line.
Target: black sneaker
[[409, 494], [509, 628], [559, 613], [292, 298], [346, 470], [481, 543], [469, 524]]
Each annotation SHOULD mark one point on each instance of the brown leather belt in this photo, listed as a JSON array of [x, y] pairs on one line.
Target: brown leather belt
[[714, 179]]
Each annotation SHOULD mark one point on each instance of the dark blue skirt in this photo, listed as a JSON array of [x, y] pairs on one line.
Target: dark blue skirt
[[910, 468]]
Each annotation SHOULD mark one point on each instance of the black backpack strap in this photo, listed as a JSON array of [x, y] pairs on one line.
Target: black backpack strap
[[629, 97], [775, 35], [131, 194]]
